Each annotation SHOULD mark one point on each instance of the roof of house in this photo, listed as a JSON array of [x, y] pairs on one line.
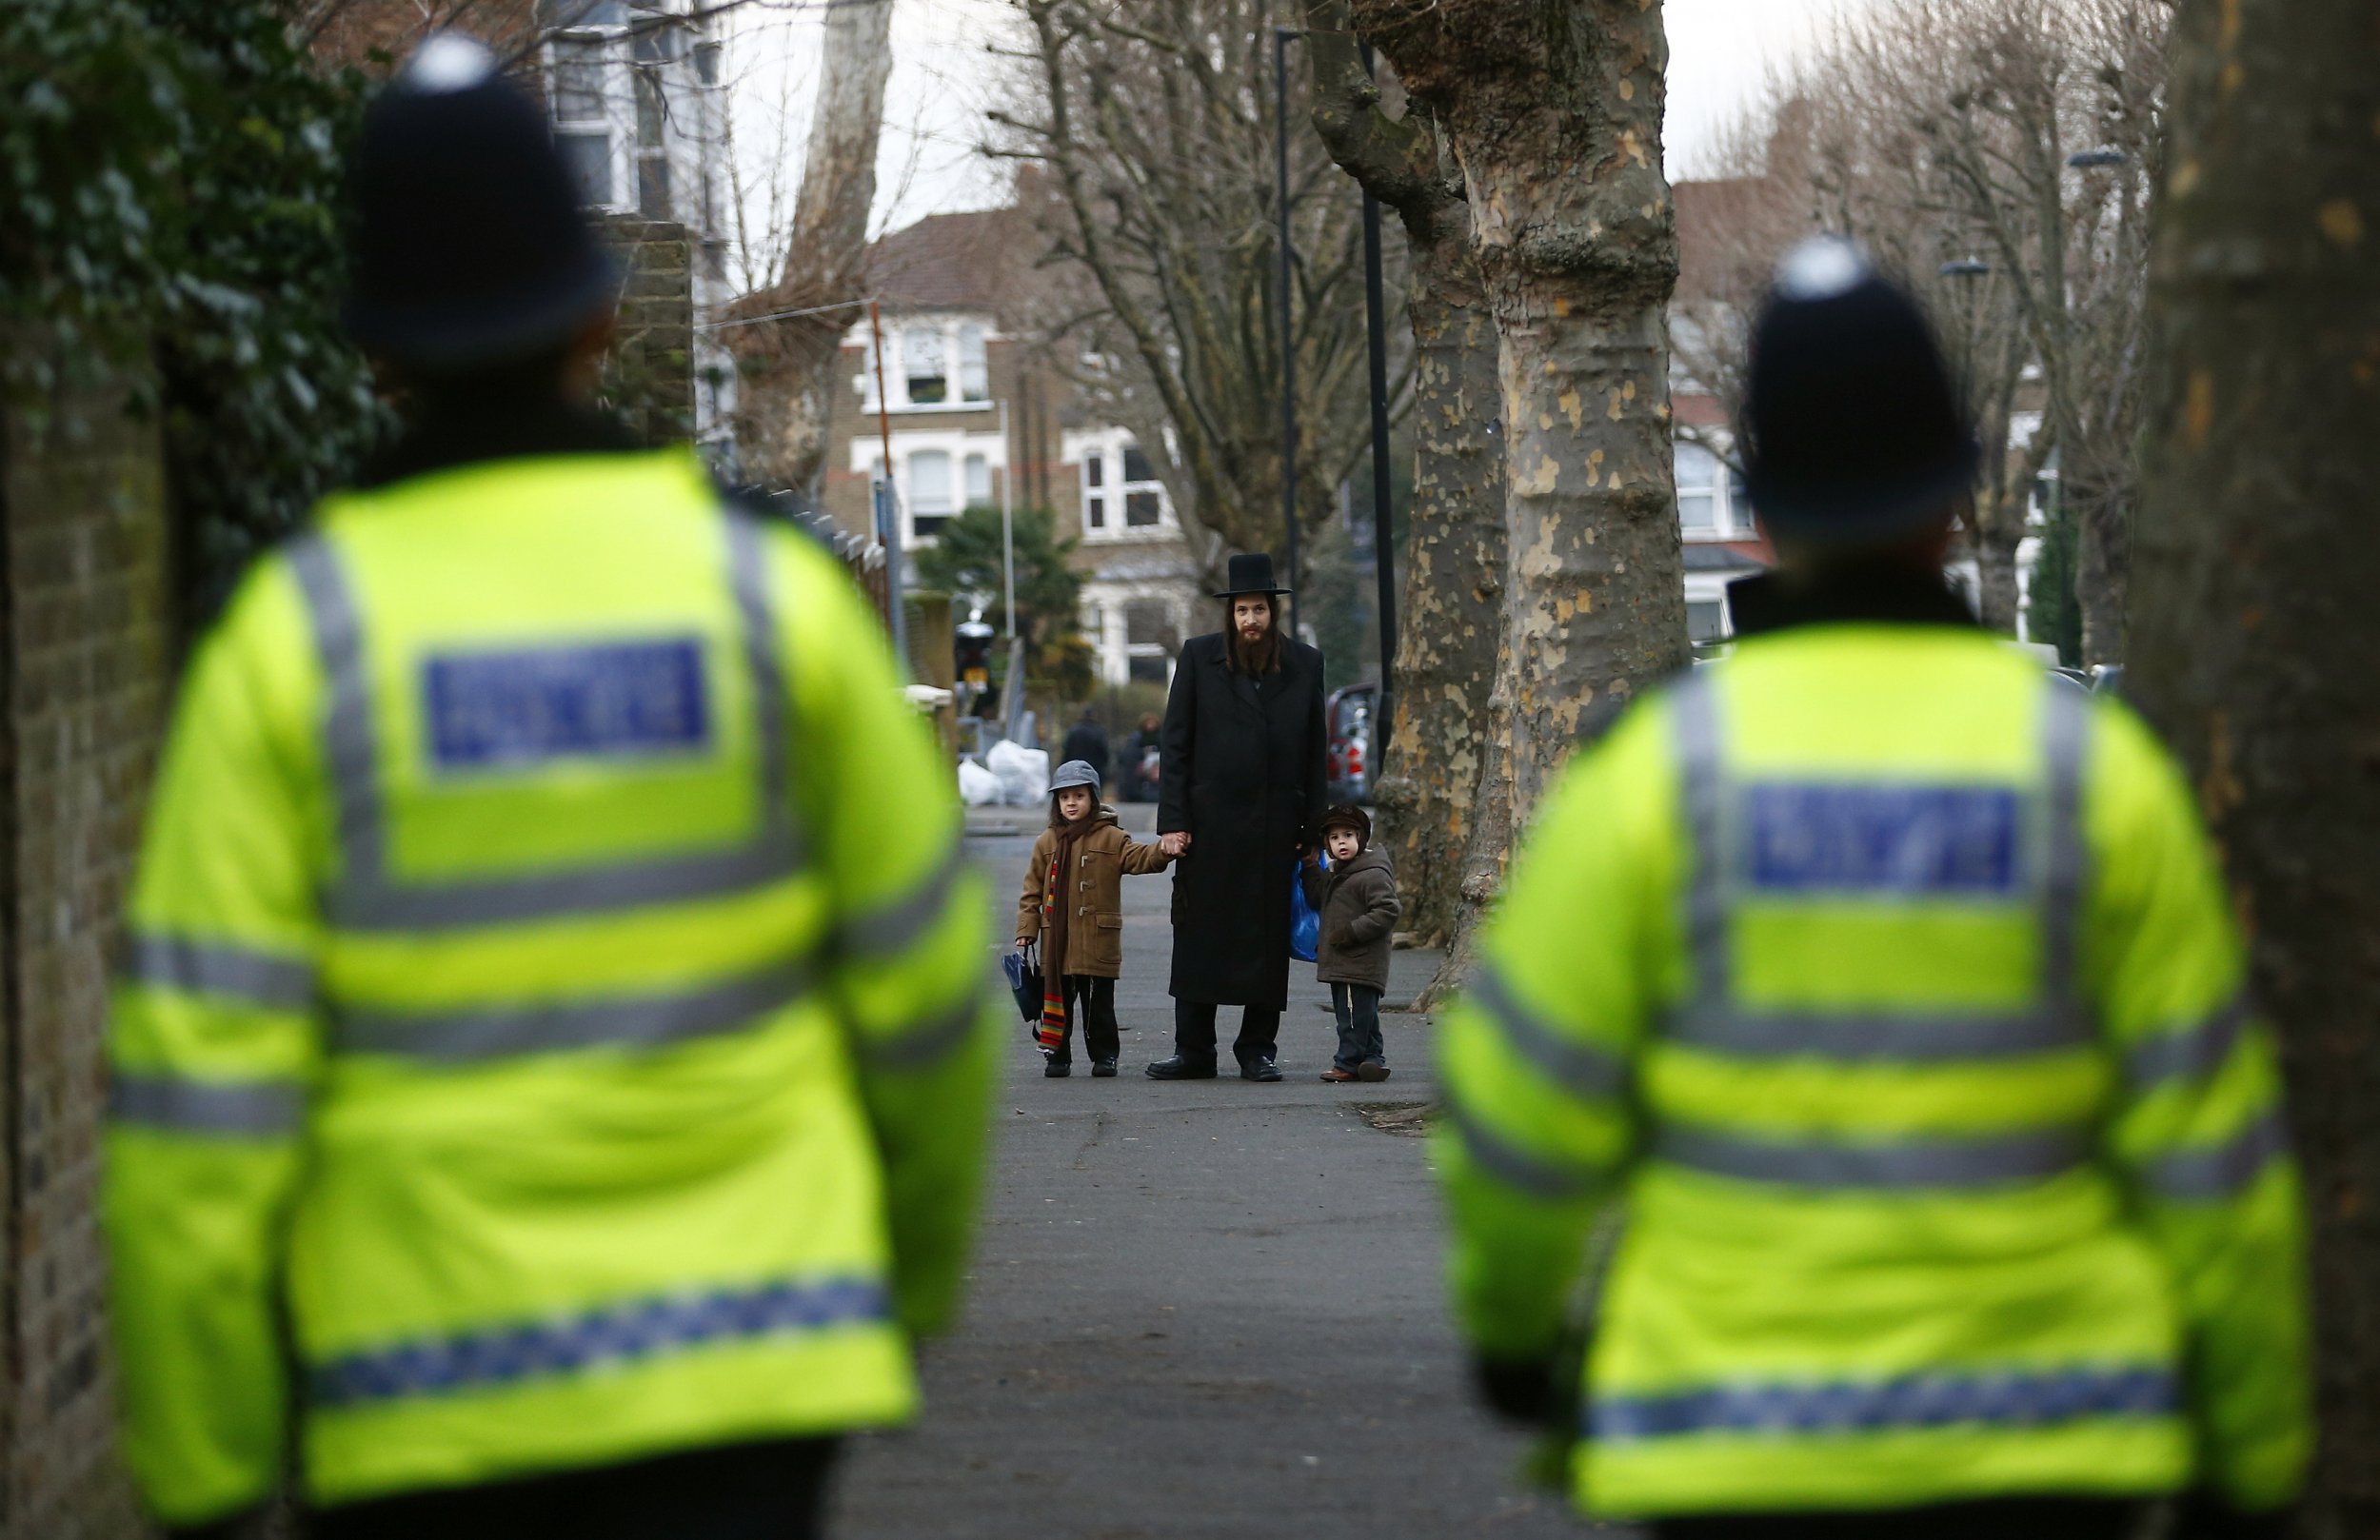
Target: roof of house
[[950, 262], [1732, 556]]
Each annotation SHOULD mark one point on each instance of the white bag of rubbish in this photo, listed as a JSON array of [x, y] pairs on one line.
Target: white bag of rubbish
[[978, 787], [1024, 773]]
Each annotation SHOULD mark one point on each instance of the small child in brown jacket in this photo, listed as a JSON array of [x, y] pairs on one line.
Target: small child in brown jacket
[[1073, 904], [1357, 900]]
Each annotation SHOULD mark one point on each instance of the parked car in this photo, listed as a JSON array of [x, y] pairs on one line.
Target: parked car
[[1348, 716]]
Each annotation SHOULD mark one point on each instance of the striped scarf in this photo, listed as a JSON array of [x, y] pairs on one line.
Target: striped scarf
[[1056, 908]]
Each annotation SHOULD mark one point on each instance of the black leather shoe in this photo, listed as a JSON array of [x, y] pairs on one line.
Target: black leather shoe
[[1259, 1068], [1058, 1069], [1102, 1069], [1178, 1067]]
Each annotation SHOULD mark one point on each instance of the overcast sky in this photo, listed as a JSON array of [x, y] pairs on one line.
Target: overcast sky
[[944, 76]]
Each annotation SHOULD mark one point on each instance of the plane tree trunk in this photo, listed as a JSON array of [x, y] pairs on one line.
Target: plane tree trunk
[[1429, 788], [1555, 115], [787, 366], [2254, 626]]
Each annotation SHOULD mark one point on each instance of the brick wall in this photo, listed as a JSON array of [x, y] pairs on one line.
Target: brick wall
[[84, 673], [649, 377]]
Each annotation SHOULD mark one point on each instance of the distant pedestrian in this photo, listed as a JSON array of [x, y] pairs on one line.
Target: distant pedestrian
[[1356, 900], [1087, 741], [1139, 771], [1239, 789], [1073, 904]]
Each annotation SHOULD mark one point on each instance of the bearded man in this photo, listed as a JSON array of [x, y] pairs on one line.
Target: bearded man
[[1241, 763]]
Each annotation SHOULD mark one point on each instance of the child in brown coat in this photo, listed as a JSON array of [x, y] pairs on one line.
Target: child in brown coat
[[1356, 900], [1073, 904]]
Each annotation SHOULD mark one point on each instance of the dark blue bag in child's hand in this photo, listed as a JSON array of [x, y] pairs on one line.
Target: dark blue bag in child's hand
[[1306, 926], [1024, 981]]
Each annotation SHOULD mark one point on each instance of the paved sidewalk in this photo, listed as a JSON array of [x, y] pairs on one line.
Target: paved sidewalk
[[1202, 1310]]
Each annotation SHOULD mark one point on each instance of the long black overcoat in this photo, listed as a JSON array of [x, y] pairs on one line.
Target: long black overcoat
[[1240, 768]]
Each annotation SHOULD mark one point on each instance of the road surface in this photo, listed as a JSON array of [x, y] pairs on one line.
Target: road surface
[[1198, 1310]]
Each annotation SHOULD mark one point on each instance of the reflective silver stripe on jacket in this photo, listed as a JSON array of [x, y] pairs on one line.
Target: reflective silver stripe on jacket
[[1991, 1160], [1518, 1168], [926, 1043], [891, 930], [2195, 1053], [367, 898], [1581, 1069], [1711, 1018], [2226, 1170], [264, 979], [615, 1336], [1907, 1038], [2018, 1396], [488, 1031], [1702, 788], [239, 1109], [2065, 742]]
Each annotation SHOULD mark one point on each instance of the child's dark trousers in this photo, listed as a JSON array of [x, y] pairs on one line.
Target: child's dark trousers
[[1091, 1003], [1358, 1008]]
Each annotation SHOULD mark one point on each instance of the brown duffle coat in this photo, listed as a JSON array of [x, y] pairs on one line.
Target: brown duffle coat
[[1358, 907], [1095, 928]]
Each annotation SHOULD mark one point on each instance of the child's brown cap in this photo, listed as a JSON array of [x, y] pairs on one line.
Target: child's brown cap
[[1348, 816]]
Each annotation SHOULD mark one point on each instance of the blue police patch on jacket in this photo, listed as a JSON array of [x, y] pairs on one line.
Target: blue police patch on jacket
[[1908, 840], [506, 709]]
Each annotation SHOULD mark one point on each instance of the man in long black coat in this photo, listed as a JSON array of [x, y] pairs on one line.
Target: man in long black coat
[[1239, 790]]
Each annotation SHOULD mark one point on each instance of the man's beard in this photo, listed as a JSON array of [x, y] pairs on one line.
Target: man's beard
[[1263, 656]]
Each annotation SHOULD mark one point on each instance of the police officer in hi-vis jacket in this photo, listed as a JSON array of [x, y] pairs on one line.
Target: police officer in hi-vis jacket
[[549, 1074], [1886, 986]]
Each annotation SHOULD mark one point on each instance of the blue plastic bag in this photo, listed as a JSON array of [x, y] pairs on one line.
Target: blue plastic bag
[[1306, 925]]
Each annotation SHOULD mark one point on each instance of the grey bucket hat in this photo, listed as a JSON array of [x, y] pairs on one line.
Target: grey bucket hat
[[1074, 773]]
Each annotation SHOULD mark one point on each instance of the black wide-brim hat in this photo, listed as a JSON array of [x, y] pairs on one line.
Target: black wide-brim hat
[[1250, 574], [1853, 431], [468, 249]]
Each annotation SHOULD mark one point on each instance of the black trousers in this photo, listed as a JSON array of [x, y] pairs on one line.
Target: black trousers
[[1194, 1031], [773, 1490], [2008, 1518], [1092, 1002]]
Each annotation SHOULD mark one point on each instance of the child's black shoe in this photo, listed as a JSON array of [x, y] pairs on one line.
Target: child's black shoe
[[1102, 1069], [1058, 1069]]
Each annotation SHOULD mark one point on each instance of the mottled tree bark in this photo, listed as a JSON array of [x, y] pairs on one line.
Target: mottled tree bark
[[2103, 564], [787, 366], [1487, 849], [1436, 785], [1428, 790], [1554, 114], [2253, 622]]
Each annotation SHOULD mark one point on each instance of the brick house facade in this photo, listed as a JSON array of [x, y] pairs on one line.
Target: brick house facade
[[971, 398]]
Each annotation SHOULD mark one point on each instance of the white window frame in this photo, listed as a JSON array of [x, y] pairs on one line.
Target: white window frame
[[1105, 622], [1108, 445], [609, 65], [1731, 511], [959, 443], [1707, 587], [954, 331]]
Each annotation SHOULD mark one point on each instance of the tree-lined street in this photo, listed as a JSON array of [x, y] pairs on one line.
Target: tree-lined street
[[1204, 1308]]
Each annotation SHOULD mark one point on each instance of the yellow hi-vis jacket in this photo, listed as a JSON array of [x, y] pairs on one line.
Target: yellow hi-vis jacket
[[553, 981], [1890, 992]]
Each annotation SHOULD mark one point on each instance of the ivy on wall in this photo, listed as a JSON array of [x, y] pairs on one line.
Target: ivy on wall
[[174, 169]]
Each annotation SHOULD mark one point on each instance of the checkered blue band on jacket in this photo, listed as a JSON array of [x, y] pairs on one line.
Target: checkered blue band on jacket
[[623, 1333], [2006, 1400]]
